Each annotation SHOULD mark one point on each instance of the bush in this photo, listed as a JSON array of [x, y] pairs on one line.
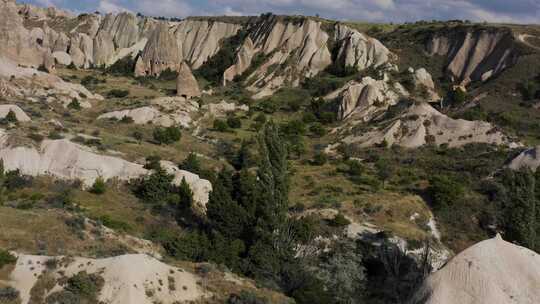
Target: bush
[[122, 67], [74, 104], [11, 117], [458, 96], [138, 135], [9, 295], [339, 221], [6, 258], [116, 93], [191, 164], [85, 285], [127, 120], [99, 186], [221, 125], [320, 159], [234, 122], [445, 191], [530, 90], [167, 135], [246, 297], [317, 129]]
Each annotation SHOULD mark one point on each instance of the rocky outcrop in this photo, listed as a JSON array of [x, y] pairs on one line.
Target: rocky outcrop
[[16, 43], [222, 108], [150, 282], [421, 124], [529, 158], [358, 50], [243, 61], [19, 113], [103, 48], [186, 84], [35, 86], [66, 160], [160, 53], [490, 272], [146, 115], [294, 50], [423, 82], [362, 100], [199, 40], [62, 58], [474, 55]]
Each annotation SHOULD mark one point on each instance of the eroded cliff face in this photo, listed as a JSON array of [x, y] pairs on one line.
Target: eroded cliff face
[[474, 55], [299, 49]]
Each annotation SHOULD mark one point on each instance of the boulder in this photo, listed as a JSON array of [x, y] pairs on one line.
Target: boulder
[[62, 58], [186, 84], [490, 272], [223, 108], [145, 115], [529, 158], [201, 188], [423, 81]]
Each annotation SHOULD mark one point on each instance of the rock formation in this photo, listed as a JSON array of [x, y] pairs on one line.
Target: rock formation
[[421, 124], [490, 272], [363, 99], [358, 50], [16, 43], [160, 53], [123, 283], [222, 108], [32, 85], [186, 84], [423, 82], [150, 114], [66, 160], [474, 55], [529, 158], [243, 61], [199, 40]]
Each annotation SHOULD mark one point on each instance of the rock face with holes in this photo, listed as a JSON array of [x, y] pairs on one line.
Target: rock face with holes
[[490, 272], [421, 124], [186, 84], [474, 55]]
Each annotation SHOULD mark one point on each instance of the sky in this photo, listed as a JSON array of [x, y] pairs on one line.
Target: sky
[[397, 11]]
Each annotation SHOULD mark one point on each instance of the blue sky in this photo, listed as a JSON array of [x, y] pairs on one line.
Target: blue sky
[[515, 11]]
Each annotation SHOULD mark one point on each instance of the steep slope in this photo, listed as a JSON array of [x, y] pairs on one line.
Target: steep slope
[[474, 54], [492, 271]]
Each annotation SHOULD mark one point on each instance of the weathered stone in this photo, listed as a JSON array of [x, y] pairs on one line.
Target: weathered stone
[[186, 84]]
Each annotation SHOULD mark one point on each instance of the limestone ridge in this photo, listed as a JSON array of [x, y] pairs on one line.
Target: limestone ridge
[[474, 55]]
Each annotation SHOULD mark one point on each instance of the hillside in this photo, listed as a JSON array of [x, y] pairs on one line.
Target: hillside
[[261, 159]]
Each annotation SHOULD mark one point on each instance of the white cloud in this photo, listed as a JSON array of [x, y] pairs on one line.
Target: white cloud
[[108, 6], [167, 8]]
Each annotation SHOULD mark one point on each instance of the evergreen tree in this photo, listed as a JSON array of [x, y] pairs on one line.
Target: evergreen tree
[[191, 164]]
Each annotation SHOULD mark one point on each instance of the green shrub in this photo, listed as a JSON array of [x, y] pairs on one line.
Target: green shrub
[[320, 159], [6, 258], [246, 297], [9, 295], [317, 129], [191, 164], [85, 285], [127, 120], [74, 104], [530, 90], [99, 186], [445, 191], [234, 122], [167, 135], [339, 221], [117, 93], [458, 96], [122, 67], [118, 225], [220, 125], [55, 135], [11, 117]]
